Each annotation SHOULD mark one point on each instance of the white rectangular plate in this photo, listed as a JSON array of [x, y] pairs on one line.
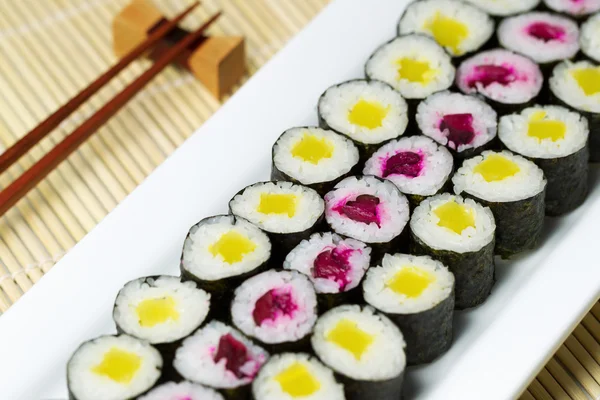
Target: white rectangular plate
[[498, 347]]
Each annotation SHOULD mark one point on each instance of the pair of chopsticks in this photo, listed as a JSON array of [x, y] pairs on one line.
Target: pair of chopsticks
[[30, 178]]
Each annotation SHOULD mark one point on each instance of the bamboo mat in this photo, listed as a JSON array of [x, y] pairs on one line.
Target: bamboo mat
[[51, 49]]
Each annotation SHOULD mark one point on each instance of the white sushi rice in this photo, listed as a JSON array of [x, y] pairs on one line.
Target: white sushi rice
[[574, 8], [565, 87], [431, 111], [266, 387], [393, 209], [198, 260], [303, 256], [526, 183], [181, 391], [513, 133], [383, 359], [195, 358], [344, 156], [380, 296], [513, 35], [85, 384], [309, 207], [424, 225], [192, 305], [589, 38], [479, 24], [286, 328], [337, 102], [502, 8], [383, 65], [436, 168]]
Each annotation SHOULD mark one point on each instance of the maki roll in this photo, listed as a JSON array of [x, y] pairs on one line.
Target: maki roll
[[417, 165], [575, 8], [556, 140], [460, 233], [365, 349], [458, 27], [417, 294], [589, 39], [181, 391], [291, 376], [514, 189], [314, 157], [220, 357], [113, 368], [465, 124], [508, 80], [504, 8], [577, 85], [276, 308], [334, 265], [368, 112], [371, 210], [286, 211]]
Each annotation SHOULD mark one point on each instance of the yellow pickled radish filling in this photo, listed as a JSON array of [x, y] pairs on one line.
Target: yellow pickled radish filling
[[157, 311], [313, 149], [496, 167], [276, 203], [415, 71], [447, 31], [588, 79], [410, 281], [232, 246], [349, 336], [297, 381], [454, 216], [119, 365], [541, 128], [368, 114]]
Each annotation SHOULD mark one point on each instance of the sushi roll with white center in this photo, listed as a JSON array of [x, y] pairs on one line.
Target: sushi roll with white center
[[514, 189], [292, 376], [181, 391], [365, 349], [589, 39], [315, 157], [556, 139], [460, 233], [458, 27], [417, 294], [575, 8], [221, 358], [288, 212], [371, 210], [333, 264], [277, 309], [504, 8], [465, 124], [417, 165], [368, 112], [113, 368], [509, 80]]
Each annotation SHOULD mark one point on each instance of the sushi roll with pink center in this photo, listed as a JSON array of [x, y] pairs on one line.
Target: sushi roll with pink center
[[574, 8]]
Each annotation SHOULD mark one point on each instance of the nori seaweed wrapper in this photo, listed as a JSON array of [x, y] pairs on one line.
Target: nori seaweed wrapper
[[390, 389], [327, 301], [301, 345]]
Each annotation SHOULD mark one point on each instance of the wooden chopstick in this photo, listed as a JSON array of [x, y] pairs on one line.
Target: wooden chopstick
[[23, 145], [19, 188]]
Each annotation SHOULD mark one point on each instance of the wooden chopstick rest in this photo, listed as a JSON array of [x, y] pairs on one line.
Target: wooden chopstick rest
[[219, 62]]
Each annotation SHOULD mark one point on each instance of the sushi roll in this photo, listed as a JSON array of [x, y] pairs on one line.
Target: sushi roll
[[291, 376], [368, 112], [460, 233], [181, 391], [334, 265], [589, 39], [556, 139], [504, 8], [465, 124], [371, 210], [276, 308], [365, 349], [161, 310], [514, 189], [417, 165], [314, 157], [577, 86], [417, 294], [221, 358], [458, 27], [286, 211], [113, 368], [578, 9]]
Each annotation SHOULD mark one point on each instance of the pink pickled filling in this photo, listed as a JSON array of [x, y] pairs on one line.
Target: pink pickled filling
[[271, 305], [545, 31], [333, 265], [460, 128], [234, 352], [488, 74], [407, 163], [363, 209]]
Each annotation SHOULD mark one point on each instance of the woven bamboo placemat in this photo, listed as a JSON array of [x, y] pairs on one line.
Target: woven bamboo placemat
[[51, 49]]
